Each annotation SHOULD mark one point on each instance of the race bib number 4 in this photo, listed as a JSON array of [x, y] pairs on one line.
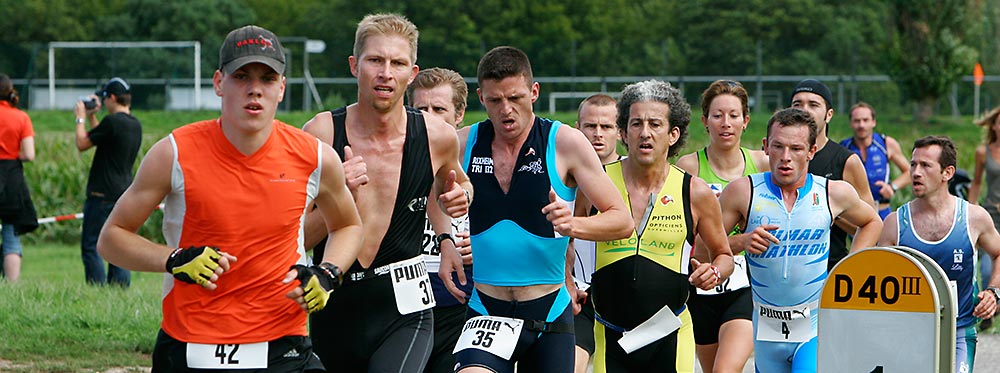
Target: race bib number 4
[[227, 356], [496, 335], [411, 285], [736, 281], [784, 324]]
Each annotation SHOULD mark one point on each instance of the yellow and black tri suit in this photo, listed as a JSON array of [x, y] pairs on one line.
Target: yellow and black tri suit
[[637, 276]]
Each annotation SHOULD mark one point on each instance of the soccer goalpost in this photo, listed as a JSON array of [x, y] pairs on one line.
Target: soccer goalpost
[[124, 44]]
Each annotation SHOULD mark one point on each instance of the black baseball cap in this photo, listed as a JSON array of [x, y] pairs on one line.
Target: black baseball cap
[[249, 44], [817, 87], [116, 86]]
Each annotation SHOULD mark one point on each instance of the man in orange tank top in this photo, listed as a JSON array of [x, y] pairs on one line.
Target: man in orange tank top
[[236, 191]]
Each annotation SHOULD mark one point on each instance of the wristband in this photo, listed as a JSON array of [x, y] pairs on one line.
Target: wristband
[[443, 236], [468, 198], [79, 121], [334, 273], [715, 270], [894, 187]]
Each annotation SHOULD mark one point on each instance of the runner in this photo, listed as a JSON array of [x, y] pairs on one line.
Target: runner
[[876, 150], [395, 158], [596, 118], [526, 170], [230, 284], [786, 240], [723, 330], [641, 283], [950, 231]]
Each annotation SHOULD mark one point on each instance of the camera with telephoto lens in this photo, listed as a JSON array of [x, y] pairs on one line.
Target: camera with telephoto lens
[[88, 102]]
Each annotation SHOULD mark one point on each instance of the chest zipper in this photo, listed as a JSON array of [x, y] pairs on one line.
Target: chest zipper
[[639, 231]]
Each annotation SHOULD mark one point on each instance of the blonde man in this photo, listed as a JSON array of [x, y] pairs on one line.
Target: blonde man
[[398, 162]]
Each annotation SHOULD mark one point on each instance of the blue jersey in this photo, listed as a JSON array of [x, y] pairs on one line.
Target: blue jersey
[[955, 254], [791, 272], [876, 162], [515, 244]]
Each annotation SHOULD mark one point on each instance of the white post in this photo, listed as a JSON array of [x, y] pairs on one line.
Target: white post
[[197, 75], [975, 105], [52, 77]]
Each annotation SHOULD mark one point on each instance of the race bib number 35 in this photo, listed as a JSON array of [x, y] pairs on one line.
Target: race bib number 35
[[227, 356], [784, 324], [411, 285], [496, 335]]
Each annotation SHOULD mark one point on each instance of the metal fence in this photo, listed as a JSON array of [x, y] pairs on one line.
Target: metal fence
[[767, 92]]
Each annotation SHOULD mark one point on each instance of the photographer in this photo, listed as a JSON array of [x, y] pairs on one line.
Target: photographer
[[117, 138]]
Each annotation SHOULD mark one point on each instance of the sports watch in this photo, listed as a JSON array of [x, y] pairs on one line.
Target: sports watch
[[441, 237]]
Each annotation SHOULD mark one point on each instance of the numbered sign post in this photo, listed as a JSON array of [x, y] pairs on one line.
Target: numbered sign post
[[881, 311]]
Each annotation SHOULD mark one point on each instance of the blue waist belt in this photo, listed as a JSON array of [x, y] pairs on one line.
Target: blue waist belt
[[609, 325]]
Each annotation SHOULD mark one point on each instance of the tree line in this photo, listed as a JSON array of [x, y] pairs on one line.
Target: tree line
[[924, 45]]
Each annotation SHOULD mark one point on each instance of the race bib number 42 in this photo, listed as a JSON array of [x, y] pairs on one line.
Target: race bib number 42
[[496, 335], [784, 324], [411, 285], [227, 356]]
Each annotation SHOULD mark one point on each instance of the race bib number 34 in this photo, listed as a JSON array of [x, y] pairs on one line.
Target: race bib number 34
[[227, 356], [411, 285], [496, 335], [784, 324]]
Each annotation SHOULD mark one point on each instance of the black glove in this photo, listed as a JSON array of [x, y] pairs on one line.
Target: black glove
[[194, 265], [318, 282]]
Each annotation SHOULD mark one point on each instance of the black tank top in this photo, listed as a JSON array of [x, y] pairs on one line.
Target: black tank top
[[406, 226], [829, 162]]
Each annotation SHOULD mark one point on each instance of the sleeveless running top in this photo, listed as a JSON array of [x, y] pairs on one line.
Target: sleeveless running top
[[876, 163], [992, 180], [515, 245], [715, 182], [215, 200], [636, 276], [416, 175], [954, 253], [793, 271], [829, 162]]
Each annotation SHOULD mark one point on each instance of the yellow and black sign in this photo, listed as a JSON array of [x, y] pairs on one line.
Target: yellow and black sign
[[879, 281]]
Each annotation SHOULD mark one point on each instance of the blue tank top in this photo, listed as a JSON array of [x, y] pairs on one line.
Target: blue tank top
[[954, 253], [876, 164], [793, 271], [515, 245]]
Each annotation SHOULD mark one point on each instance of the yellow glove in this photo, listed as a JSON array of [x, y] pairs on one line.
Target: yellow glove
[[318, 282], [194, 265]]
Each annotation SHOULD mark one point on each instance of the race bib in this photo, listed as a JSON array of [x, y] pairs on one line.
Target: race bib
[[227, 356], [736, 281], [411, 285], [784, 324], [496, 335]]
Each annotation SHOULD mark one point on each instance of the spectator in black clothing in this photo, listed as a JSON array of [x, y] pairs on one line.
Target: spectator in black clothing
[[117, 138]]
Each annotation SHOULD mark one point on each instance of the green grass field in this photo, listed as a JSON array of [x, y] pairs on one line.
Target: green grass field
[[52, 322]]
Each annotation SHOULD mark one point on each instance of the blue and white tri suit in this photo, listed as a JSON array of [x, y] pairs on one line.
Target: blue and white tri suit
[[786, 279], [515, 245], [876, 166], [957, 256]]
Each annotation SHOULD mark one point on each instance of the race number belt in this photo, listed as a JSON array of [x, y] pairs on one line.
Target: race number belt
[[227, 356], [411, 285], [736, 281], [784, 324], [496, 335]]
